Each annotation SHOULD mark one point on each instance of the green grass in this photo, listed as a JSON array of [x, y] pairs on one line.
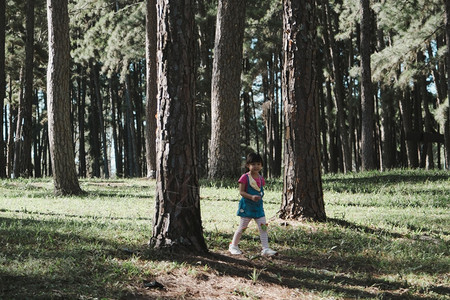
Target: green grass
[[387, 237]]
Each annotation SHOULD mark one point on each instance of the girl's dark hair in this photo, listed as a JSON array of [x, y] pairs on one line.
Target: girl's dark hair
[[254, 158]]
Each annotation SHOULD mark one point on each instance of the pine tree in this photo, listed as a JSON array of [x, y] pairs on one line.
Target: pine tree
[[302, 192], [177, 220], [367, 103], [60, 137], [151, 88], [225, 153], [2, 85]]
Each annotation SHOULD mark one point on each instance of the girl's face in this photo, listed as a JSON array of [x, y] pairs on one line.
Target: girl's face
[[254, 167]]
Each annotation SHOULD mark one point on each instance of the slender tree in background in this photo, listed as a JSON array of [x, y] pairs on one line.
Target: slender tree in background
[[302, 192], [339, 91], [58, 100], [151, 88], [27, 130], [23, 138], [110, 37], [367, 103], [177, 221], [2, 85], [447, 106], [225, 153]]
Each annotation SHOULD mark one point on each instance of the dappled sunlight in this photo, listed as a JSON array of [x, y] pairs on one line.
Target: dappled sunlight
[[374, 245]]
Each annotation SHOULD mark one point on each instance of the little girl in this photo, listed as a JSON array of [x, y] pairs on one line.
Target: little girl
[[251, 205]]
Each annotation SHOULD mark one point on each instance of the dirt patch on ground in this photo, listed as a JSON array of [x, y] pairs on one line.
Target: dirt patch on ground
[[222, 276]]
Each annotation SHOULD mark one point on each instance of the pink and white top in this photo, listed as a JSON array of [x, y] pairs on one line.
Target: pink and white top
[[244, 179]]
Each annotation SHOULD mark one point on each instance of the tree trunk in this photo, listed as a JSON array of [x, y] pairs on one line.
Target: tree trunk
[[255, 124], [81, 127], [330, 152], [100, 122], [37, 142], [93, 123], [2, 85], [225, 153], [427, 161], [206, 31], [10, 144], [339, 94], [151, 88], [302, 192], [18, 141], [278, 123], [131, 153], [388, 140], [177, 221], [137, 119], [25, 167], [58, 101], [447, 108], [406, 113], [367, 103], [115, 136]]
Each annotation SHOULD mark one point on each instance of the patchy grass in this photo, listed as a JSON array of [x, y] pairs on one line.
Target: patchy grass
[[387, 237]]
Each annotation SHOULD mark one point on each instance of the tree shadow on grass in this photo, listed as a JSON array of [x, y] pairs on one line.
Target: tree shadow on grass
[[349, 276], [45, 259], [277, 271], [371, 182], [377, 231]]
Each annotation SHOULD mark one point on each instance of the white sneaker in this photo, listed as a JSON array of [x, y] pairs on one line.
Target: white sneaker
[[268, 252], [234, 250]]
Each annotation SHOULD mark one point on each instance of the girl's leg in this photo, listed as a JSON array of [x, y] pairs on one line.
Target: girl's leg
[[262, 225], [242, 226]]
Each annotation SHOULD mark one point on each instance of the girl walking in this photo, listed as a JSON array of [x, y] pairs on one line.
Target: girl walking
[[251, 188]]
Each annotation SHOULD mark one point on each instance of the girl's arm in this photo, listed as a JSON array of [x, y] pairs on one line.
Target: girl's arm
[[247, 195]]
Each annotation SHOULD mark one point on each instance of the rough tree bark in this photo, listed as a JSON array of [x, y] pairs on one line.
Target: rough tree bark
[[447, 108], [58, 100], [2, 85], [151, 88], [367, 103], [339, 90], [177, 220], [225, 153], [27, 126], [302, 192]]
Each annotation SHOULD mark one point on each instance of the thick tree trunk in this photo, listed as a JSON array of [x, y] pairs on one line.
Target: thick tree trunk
[[151, 88], [225, 153], [58, 101], [302, 193], [2, 85], [177, 221], [367, 103]]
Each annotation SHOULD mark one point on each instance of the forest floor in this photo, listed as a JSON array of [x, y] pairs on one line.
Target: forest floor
[[387, 237]]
